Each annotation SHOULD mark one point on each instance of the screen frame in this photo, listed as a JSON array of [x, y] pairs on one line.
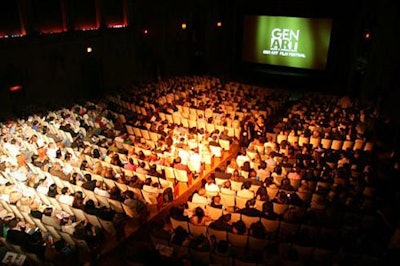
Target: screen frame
[[316, 63]]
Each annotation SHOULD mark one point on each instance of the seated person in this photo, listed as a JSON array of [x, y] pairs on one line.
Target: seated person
[[239, 228], [49, 217], [89, 183], [210, 186], [245, 192], [199, 217], [66, 196], [68, 224], [101, 189], [100, 211], [226, 188], [136, 205], [250, 209], [257, 230], [222, 223], [216, 202], [268, 211], [200, 196]]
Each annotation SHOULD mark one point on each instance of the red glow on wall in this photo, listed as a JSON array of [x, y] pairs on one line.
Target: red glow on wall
[[51, 30], [116, 24], [15, 88], [11, 34], [86, 27]]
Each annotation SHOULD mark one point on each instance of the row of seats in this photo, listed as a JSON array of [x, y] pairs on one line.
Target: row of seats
[[334, 144]]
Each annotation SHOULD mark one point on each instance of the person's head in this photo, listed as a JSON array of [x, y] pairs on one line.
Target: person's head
[[90, 204], [216, 199], [177, 160], [246, 165], [247, 184], [199, 212], [285, 182], [96, 153], [226, 184], [84, 164], [115, 190], [74, 176], [148, 181], [253, 174], [88, 177], [65, 191], [53, 187], [48, 211], [99, 184], [129, 194], [239, 227], [78, 195], [251, 203], [202, 191], [210, 179]]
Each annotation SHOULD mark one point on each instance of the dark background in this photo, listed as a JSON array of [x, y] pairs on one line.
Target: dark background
[[44, 42]]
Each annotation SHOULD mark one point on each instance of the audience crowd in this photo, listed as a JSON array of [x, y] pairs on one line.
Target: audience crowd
[[311, 183]]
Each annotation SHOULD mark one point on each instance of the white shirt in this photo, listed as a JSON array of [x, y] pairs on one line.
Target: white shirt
[[199, 199], [42, 189], [67, 199], [101, 192], [51, 152], [184, 154], [12, 149], [194, 163], [212, 187], [67, 168], [240, 159], [245, 193]]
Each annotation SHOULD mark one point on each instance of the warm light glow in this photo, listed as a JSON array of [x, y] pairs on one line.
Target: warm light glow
[[86, 27], [116, 24], [89, 49], [51, 30], [367, 35], [219, 24], [145, 31], [15, 88], [184, 26]]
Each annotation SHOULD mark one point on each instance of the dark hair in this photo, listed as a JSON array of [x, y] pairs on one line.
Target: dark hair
[[48, 211], [96, 153], [129, 194], [223, 246], [52, 190], [240, 226], [247, 184], [257, 230], [250, 202], [199, 212], [179, 235], [88, 177], [64, 190], [90, 204]]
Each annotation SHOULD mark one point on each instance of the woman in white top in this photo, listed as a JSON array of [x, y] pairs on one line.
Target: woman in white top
[[101, 189], [68, 225]]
